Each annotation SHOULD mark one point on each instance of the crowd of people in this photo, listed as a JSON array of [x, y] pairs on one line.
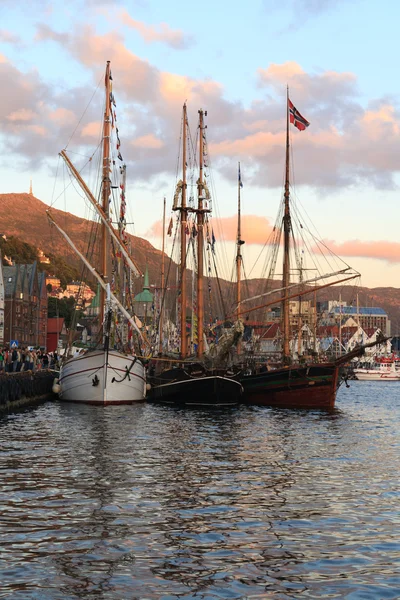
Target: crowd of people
[[13, 360]]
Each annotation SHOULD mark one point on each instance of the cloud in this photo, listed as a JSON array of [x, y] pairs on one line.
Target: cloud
[[347, 144], [147, 141], [92, 130], [9, 37], [23, 114], [158, 33], [34, 119], [302, 10], [255, 229], [380, 250]]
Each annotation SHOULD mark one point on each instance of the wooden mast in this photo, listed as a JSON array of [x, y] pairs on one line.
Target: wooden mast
[[103, 216], [105, 193], [286, 241], [183, 238], [239, 259], [160, 324], [200, 242], [238, 248]]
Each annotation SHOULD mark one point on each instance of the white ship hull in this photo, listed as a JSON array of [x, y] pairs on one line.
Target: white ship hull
[[377, 375], [383, 371], [95, 378]]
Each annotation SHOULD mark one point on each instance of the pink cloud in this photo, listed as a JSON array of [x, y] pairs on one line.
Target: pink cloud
[[381, 250], [92, 129], [346, 144], [147, 141], [63, 116], [157, 33], [9, 37], [23, 114], [255, 229]]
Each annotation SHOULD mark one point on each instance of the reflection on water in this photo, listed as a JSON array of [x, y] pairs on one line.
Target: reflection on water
[[149, 502]]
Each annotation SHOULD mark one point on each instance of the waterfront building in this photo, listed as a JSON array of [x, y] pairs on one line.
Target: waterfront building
[[368, 317], [25, 310], [1, 303], [56, 334]]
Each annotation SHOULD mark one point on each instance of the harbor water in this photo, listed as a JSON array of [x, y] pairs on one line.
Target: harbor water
[[150, 502]]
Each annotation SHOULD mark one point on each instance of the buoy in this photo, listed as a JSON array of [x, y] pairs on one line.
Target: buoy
[[56, 386]]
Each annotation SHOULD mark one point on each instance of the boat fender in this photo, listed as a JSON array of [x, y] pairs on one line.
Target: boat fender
[[148, 387], [56, 386]]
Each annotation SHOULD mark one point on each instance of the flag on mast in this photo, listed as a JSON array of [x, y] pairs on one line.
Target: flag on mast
[[169, 232], [240, 178], [296, 118]]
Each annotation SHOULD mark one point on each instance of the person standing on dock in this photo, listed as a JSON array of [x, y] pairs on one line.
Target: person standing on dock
[[14, 359]]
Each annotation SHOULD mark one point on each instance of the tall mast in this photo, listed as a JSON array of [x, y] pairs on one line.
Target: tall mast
[[286, 241], [183, 239], [104, 254], [340, 324], [121, 225], [238, 249], [200, 241], [160, 326], [239, 259]]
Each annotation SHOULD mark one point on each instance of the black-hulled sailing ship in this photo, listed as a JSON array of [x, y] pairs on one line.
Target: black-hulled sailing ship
[[193, 381]]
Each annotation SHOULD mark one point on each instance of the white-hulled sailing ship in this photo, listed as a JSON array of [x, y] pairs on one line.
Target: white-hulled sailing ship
[[108, 373]]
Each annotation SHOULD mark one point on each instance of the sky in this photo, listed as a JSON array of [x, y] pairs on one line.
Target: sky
[[234, 60]]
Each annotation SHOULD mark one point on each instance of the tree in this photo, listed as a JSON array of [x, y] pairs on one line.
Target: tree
[[61, 307]]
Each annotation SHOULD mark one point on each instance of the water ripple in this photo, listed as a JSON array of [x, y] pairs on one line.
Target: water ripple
[[150, 503]]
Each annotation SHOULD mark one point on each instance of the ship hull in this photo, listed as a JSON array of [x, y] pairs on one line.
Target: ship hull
[[309, 387], [366, 375], [208, 391], [103, 379]]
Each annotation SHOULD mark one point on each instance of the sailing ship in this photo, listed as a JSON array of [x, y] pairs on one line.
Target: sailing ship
[[110, 373], [194, 381], [301, 383]]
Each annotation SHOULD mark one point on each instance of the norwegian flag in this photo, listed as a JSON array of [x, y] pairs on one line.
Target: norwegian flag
[[296, 118]]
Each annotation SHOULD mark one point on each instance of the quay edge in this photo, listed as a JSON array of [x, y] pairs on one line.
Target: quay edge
[[24, 388]]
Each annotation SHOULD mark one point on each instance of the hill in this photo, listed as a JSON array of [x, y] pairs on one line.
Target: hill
[[24, 216]]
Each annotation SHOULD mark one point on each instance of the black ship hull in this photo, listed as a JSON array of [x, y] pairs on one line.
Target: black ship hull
[[180, 389]]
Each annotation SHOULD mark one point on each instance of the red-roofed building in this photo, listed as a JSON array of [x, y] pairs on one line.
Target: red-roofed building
[[55, 329], [271, 339]]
